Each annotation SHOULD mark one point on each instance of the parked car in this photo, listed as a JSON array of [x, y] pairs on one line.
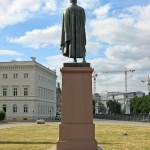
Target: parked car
[[58, 117]]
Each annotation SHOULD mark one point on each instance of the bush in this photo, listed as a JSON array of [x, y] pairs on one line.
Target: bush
[[2, 115]]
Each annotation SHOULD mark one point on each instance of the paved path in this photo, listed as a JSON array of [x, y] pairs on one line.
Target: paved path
[[96, 121], [116, 122], [20, 124]]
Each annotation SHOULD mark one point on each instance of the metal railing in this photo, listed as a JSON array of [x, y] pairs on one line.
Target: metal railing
[[138, 118]]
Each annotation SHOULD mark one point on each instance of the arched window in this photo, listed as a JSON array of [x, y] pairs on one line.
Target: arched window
[[4, 107], [25, 108], [14, 108]]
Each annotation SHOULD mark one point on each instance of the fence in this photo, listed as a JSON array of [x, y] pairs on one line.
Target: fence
[[138, 118]]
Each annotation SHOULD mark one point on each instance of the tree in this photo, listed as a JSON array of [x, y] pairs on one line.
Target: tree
[[2, 115], [114, 107], [93, 106], [101, 108], [140, 104]]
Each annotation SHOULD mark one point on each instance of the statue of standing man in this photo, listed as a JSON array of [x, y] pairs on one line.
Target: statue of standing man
[[73, 38]]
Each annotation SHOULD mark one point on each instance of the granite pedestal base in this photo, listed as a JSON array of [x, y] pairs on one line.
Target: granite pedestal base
[[76, 131]]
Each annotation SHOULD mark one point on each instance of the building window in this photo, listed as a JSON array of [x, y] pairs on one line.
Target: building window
[[26, 75], [4, 92], [4, 76], [15, 75], [25, 91], [14, 108], [15, 91], [25, 107], [4, 107]]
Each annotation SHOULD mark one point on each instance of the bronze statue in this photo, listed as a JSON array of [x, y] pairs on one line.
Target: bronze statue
[[73, 38]]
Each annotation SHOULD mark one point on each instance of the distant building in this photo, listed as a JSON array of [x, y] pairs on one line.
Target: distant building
[[119, 96], [27, 90], [97, 99], [58, 98]]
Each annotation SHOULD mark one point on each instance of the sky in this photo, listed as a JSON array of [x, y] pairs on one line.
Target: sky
[[117, 33]]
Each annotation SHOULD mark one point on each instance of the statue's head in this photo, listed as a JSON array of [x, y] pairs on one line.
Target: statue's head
[[73, 1]]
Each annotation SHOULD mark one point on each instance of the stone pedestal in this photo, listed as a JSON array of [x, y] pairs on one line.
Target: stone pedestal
[[77, 131]]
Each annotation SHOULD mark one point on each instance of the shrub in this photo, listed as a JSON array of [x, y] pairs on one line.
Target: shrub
[[2, 115]]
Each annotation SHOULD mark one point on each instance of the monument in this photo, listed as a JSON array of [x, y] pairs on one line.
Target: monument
[[76, 131], [73, 38]]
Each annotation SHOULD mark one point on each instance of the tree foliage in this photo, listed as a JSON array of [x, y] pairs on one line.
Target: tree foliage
[[2, 115], [101, 108], [114, 107], [140, 104], [93, 106]]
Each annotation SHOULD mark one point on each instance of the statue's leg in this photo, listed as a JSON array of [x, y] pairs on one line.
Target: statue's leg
[[75, 59], [84, 61]]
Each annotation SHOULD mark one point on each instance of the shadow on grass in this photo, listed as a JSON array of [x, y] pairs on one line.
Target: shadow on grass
[[108, 143], [17, 142]]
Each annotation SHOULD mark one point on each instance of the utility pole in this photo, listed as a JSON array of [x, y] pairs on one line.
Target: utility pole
[[148, 84]]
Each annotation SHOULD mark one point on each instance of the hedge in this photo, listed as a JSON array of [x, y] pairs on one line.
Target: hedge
[[2, 115]]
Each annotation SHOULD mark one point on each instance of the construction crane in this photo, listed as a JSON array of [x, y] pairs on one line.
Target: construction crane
[[126, 78], [94, 92], [126, 102], [94, 82], [148, 83]]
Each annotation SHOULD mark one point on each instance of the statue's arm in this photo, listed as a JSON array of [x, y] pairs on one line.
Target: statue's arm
[[67, 26], [62, 44]]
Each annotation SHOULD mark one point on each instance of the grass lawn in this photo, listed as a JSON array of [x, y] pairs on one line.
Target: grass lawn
[[43, 137]]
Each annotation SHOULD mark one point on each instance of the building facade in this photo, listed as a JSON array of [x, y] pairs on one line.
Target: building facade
[[122, 98], [27, 90]]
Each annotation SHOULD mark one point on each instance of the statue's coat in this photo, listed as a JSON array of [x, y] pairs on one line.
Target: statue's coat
[[73, 38]]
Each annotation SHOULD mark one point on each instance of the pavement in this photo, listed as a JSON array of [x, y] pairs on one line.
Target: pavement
[[117, 122], [21, 124], [96, 121]]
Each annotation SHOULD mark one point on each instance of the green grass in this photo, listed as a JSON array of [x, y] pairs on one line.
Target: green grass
[[40, 137], [43, 137], [112, 137]]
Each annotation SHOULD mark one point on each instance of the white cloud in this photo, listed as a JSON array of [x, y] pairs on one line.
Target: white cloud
[[125, 33], [56, 63], [93, 47], [15, 11], [102, 12], [128, 52], [49, 5], [86, 4], [10, 52], [122, 29], [111, 74], [39, 37]]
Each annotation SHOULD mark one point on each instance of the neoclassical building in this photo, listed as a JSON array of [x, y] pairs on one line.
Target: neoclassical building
[[27, 90]]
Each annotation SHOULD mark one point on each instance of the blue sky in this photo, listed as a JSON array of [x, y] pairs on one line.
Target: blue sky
[[117, 37]]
